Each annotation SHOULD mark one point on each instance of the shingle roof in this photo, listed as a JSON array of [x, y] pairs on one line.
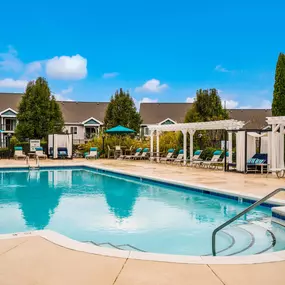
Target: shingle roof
[[10, 100], [154, 113], [73, 112], [253, 118], [77, 112]]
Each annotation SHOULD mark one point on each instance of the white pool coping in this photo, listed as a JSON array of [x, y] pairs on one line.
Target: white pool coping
[[69, 243]]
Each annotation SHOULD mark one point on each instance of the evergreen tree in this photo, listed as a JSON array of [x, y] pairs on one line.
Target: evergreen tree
[[122, 111], [207, 107], [278, 103], [39, 114]]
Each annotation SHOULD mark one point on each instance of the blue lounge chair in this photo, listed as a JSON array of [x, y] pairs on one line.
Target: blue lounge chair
[[257, 163], [62, 152], [169, 155], [93, 153]]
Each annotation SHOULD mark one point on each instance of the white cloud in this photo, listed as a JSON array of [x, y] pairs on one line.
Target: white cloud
[[9, 61], [110, 75], [67, 67], [61, 96], [11, 83], [152, 85], [230, 104], [190, 99], [66, 91], [264, 104], [148, 100], [144, 100], [33, 67], [220, 68]]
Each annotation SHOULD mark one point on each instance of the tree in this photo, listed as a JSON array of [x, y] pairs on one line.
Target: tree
[[278, 103], [122, 111], [39, 114], [207, 107]]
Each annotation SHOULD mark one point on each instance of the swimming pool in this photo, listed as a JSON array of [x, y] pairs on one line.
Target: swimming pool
[[126, 213]]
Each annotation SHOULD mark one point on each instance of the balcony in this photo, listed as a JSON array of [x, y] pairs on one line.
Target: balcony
[[8, 127]]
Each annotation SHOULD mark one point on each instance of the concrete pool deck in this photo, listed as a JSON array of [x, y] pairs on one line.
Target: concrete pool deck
[[35, 260]]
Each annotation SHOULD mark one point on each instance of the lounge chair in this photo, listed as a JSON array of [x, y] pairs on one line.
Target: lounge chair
[[215, 158], [18, 152], [93, 153], [39, 153], [134, 156], [257, 163], [169, 155], [144, 154], [221, 162], [179, 158], [195, 161], [62, 152]]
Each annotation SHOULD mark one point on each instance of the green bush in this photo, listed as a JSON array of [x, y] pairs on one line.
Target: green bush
[[4, 152], [25, 145]]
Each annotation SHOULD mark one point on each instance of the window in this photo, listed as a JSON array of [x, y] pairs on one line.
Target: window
[[73, 130], [10, 124]]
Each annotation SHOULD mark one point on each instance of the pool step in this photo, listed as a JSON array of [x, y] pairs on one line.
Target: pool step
[[251, 238], [120, 247]]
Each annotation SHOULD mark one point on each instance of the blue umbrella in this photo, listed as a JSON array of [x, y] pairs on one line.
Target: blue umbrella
[[120, 130]]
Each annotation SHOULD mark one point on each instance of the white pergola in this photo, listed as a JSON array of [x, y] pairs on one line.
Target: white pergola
[[191, 128], [276, 142]]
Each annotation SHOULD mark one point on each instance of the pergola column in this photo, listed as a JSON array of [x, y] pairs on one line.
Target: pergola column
[[151, 143], [273, 145], [281, 146], [184, 132], [230, 136], [191, 133], [157, 146]]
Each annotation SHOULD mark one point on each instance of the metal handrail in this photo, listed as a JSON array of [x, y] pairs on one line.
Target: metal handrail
[[254, 205]]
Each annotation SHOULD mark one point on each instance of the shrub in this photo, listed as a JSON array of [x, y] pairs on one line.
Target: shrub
[[4, 152]]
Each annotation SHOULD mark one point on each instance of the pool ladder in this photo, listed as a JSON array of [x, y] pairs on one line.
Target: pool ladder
[[254, 205], [33, 167]]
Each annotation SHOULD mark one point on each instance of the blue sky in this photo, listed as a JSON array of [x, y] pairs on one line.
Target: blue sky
[[159, 50]]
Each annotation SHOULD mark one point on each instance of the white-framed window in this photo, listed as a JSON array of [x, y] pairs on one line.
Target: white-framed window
[[73, 130]]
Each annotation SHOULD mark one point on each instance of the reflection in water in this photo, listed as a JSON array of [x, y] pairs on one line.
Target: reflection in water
[[39, 200], [121, 200]]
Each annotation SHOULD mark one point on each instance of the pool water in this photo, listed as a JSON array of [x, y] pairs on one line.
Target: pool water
[[121, 212]]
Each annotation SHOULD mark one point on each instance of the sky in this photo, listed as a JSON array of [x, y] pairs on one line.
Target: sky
[[160, 51]]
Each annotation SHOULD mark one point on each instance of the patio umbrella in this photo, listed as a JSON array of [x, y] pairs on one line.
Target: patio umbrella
[[119, 130]]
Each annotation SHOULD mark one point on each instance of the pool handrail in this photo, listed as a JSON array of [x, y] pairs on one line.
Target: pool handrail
[[254, 205]]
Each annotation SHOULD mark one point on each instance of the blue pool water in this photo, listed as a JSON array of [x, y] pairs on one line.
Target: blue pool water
[[89, 206]]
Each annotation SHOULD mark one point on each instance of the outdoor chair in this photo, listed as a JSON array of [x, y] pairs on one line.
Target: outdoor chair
[[215, 158], [93, 153], [220, 163], [195, 160], [257, 163], [178, 159], [111, 152], [143, 155], [62, 152], [169, 155], [18, 152], [134, 156], [40, 153]]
